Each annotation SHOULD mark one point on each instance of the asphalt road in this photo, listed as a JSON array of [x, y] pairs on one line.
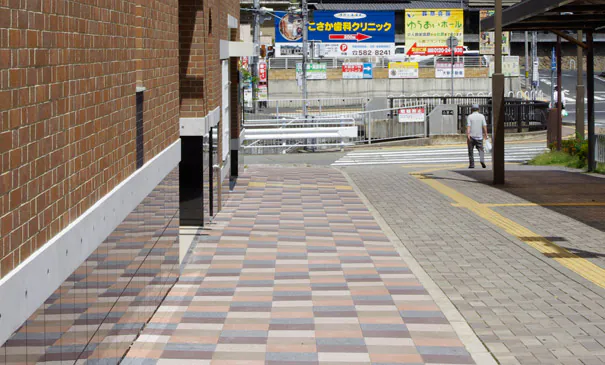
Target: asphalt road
[[569, 87]]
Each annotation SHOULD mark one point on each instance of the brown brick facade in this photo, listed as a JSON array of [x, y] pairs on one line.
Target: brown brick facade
[[68, 77]]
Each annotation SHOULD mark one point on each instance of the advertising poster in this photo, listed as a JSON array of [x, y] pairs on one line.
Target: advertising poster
[[263, 94], [403, 70], [342, 34], [411, 115], [443, 70], [428, 28], [357, 70], [487, 40], [510, 66], [315, 71], [262, 71]]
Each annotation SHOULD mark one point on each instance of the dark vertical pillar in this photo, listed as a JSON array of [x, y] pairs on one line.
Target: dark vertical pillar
[[191, 181], [590, 97], [580, 90], [140, 140], [211, 172], [498, 101], [559, 96]]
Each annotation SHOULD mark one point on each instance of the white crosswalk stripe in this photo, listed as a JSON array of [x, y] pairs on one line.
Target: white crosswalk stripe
[[513, 153]]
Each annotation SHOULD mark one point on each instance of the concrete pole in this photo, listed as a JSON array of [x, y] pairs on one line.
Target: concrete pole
[[452, 48], [255, 58], [580, 90], [305, 50], [534, 60], [498, 102], [527, 61], [590, 98]]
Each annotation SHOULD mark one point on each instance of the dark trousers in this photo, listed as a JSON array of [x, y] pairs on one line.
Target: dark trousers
[[472, 144]]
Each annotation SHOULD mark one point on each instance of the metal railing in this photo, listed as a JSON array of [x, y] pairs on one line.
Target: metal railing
[[380, 62], [293, 108], [271, 136], [430, 102], [519, 115], [600, 148]]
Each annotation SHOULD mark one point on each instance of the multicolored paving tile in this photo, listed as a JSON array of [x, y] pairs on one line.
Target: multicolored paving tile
[[295, 270], [98, 312]]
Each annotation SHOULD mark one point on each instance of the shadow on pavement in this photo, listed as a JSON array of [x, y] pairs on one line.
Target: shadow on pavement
[[554, 186]]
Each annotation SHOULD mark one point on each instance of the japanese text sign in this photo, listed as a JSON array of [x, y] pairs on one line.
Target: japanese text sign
[[432, 27], [487, 40]]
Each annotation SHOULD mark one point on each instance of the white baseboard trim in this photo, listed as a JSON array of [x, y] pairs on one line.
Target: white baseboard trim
[[25, 288]]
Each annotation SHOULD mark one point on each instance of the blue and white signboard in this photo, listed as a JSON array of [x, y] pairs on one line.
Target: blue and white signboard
[[368, 71], [357, 70], [343, 34]]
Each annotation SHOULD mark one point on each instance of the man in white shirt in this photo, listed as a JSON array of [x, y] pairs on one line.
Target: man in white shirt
[[476, 131]]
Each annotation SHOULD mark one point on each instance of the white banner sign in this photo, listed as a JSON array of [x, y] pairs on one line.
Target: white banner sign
[[403, 70], [510, 66], [315, 71], [338, 50], [413, 114], [443, 70]]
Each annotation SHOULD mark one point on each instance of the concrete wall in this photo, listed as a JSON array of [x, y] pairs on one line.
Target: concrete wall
[[280, 89]]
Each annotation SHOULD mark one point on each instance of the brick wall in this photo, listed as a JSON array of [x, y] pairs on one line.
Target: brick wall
[[68, 72]]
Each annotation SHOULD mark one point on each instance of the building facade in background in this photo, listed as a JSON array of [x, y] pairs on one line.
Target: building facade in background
[[94, 99]]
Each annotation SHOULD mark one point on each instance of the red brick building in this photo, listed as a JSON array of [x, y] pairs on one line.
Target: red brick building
[[94, 98]]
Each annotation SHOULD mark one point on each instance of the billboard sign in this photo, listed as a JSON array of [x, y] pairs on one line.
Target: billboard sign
[[357, 70], [510, 66], [427, 31], [343, 34], [411, 115], [487, 40], [443, 70], [315, 71], [403, 70]]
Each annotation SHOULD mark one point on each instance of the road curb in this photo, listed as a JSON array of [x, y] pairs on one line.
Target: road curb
[[476, 348]]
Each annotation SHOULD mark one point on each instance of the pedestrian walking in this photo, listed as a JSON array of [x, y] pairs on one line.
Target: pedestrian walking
[[476, 132]]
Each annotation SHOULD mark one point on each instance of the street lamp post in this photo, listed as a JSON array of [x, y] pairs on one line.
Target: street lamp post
[[255, 58]]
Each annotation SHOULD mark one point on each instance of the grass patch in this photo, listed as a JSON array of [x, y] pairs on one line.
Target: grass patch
[[558, 158]]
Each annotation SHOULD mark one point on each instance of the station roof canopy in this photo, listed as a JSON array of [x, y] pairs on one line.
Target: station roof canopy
[[356, 5], [557, 15]]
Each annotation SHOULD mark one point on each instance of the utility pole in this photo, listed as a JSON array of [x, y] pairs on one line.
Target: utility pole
[[255, 58], [535, 64], [527, 60], [305, 51]]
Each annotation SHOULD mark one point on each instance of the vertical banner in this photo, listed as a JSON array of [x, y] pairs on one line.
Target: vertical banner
[[262, 71], [430, 28], [487, 41]]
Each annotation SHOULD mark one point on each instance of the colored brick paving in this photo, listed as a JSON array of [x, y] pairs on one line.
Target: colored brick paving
[[297, 271], [97, 313]]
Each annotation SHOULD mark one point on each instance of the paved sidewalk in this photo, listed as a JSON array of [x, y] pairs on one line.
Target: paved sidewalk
[[527, 307], [297, 271]]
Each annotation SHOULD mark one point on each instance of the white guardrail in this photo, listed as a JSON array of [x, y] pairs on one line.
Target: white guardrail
[[380, 62]]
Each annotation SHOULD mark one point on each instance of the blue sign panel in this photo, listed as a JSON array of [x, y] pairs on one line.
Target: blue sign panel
[[553, 62], [338, 27], [368, 71], [343, 34]]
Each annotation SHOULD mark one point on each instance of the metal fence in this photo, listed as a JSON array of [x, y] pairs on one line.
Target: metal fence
[[380, 62], [600, 148], [293, 108], [520, 115], [272, 136]]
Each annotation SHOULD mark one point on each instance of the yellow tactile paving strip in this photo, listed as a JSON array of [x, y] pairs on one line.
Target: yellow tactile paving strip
[[579, 265]]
